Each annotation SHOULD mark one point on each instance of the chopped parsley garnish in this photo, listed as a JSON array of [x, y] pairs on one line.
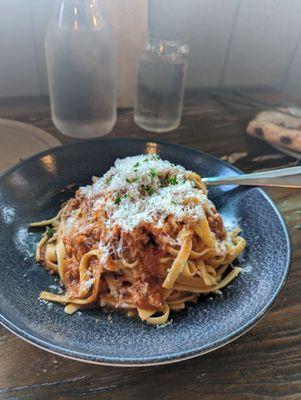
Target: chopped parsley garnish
[[136, 166], [50, 231], [126, 196], [153, 173], [117, 199], [154, 157], [173, 202], [172, 180], [109, 180], [131, 180], [150, 190]]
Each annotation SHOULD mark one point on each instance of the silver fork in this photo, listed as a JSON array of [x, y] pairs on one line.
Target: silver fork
[[285, 177]]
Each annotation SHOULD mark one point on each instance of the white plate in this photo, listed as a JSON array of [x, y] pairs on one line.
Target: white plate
[[19, 141]]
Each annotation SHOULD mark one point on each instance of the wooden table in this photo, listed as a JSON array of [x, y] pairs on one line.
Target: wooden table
[[263, 364]]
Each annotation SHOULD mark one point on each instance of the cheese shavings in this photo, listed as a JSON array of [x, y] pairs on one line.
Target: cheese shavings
[[145, 188]]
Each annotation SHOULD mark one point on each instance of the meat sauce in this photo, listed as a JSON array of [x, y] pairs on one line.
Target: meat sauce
[[145, 243], [147, 291], [216, 223]]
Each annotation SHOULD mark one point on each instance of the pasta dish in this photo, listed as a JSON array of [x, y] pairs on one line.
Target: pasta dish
[[143, 238]]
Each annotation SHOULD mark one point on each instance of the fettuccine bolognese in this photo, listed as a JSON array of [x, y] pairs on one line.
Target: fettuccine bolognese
[[143, 238]]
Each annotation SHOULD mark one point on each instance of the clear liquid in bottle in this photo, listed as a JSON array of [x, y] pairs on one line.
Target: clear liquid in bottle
[[81, 70], [160, 87]]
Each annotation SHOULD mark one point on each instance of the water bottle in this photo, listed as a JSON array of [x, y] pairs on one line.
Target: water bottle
[[81, 69]]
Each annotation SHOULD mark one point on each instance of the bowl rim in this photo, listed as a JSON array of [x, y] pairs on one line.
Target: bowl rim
[[152, 360]]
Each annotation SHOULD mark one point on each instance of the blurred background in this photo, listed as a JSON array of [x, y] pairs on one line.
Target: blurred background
[[253, 45], [223, 35]]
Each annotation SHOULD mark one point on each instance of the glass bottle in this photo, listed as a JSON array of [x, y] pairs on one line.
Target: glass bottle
[[160, 85], [81, 69]]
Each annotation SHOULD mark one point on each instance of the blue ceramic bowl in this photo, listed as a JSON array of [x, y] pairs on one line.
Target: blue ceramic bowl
[[34, 190]]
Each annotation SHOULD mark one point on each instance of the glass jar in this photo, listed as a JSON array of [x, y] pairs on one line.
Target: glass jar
[[81, 69], [160, 85]]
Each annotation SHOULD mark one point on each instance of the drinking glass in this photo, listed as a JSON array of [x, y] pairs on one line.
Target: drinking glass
[[160, 85]]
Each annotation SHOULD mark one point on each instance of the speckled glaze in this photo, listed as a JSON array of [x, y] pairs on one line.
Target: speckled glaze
[[34, 190]]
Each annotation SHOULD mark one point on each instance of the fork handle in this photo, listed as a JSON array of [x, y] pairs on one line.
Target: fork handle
[[285, 177]]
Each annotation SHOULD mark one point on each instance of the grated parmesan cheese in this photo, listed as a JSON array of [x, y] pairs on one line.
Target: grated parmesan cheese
[[89, 283], [145, 188]]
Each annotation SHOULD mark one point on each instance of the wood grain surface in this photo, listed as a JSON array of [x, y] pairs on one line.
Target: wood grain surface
[[265, 363]]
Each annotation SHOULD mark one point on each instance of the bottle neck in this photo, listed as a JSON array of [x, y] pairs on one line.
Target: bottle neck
[[78, 14]]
